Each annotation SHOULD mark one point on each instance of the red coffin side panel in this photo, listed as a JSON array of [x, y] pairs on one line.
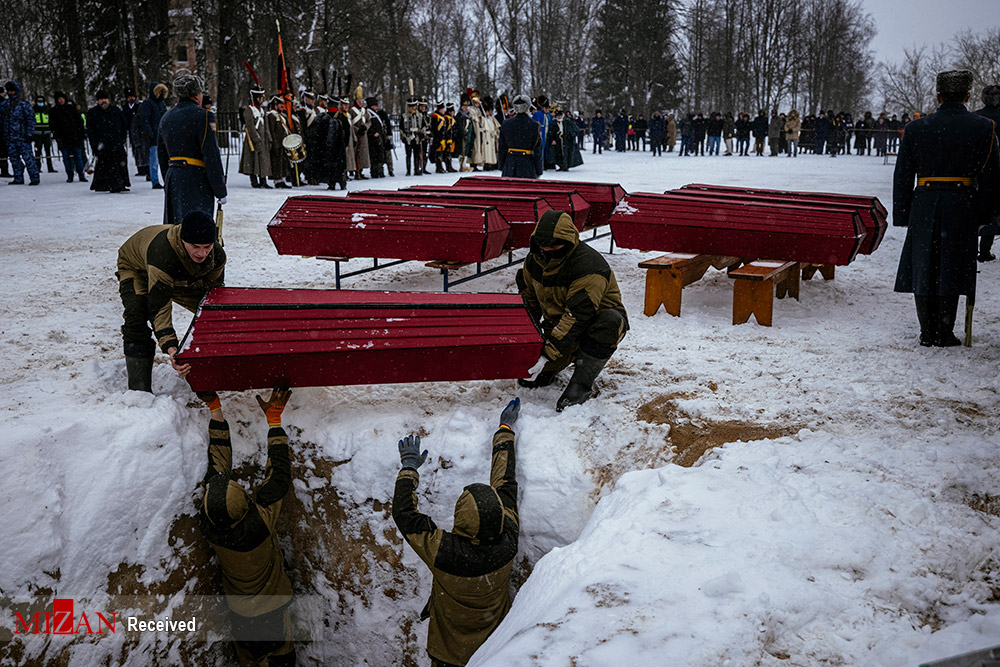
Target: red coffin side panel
[[335, 226], [561, 200], [671, 223], [244, 338], [602, 197]]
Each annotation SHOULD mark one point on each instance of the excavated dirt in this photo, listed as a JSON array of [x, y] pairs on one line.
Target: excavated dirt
[[690, 440]]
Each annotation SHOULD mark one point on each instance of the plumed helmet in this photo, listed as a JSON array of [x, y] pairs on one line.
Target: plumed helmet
[[991, 95], [225, 502], [954, 82], [479, 513], [188, 85], [521, 104]]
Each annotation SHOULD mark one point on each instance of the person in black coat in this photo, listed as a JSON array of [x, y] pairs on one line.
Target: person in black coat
[[519, 153], [991, 110], [822, 130], [620, 128], [107, 132], [69, 132], [188, 154], [598, 130], [700, 127], [641, 127], [657, 132], [954, 156], [743, 126], [150, 113], [376, 140], [760, 124]]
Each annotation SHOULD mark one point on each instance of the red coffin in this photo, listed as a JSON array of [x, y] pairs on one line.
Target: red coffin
[[764, 230], [560, 199], [520, 212], [247, 338], [339, 227], [602, 197], [873, 213]]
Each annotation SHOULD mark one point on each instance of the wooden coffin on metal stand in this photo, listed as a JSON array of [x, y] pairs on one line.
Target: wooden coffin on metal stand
[[520, 212], [247, 338], [339, 227], [560, 199], [764, 230], [873, 213], [602, 197]]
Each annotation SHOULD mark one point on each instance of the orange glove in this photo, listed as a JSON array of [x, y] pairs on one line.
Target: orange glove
[[275, 405]]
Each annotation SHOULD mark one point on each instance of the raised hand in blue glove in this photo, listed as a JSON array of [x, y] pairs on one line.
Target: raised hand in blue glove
[[409, 452], [509, 415]]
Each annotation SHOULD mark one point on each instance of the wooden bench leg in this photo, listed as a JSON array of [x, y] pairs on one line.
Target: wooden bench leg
[[808, 271], [789, 285], [663, 286], [753, 298], [827, 271], [653, 298]]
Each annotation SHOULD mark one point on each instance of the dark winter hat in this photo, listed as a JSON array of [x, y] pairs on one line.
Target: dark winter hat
[[10, 87], [57, 94], [206, 100], [991, 95], [423, 101], [39, 99], [411, 102], [479, 513], [521, 104], [541, 101], [439, 105], [103, 95], [188, 85], [954, 82], [198, 227], [451, 106], [371, 102]]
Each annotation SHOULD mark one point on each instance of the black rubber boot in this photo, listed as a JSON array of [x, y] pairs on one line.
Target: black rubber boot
[[140, 373], [581, 385], [925, 315], [946, 310]]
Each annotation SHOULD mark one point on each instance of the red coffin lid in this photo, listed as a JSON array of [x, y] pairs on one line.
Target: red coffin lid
[[251, 338]]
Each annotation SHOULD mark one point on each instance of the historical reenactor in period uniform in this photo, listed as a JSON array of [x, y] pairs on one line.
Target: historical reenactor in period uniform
[[255, 159], [377, 141], [243, 533], [452, 140], [471, 564], [338, 139], [571, 291], [157, 266], [439, 137], [425, 143], [277, 128], [357, 153], [17, 124], [953, 155], [991, 110], [413, 130], [486, 139], [519, 152], [107, 132], [565, 151], [151, 112], [188, 154]]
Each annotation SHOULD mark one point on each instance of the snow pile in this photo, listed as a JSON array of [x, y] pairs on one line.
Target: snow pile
[[849, 517]]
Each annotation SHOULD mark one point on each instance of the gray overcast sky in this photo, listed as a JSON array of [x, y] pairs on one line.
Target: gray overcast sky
[[903, 23]]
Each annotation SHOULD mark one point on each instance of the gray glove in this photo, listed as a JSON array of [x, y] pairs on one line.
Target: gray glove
[[409, 452], [509, 415]]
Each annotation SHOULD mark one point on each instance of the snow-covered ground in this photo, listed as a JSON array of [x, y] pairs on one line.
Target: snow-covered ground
[[845, 512]]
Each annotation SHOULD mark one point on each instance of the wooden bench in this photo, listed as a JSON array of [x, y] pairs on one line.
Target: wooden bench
[[667, 275], [755, 285], [826, 270]]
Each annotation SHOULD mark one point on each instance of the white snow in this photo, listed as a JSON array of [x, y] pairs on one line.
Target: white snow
[[857, 525]]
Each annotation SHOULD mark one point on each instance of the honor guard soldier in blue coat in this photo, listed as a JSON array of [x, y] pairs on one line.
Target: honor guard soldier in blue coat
[[952, 153], [520, 147], [188, 154]]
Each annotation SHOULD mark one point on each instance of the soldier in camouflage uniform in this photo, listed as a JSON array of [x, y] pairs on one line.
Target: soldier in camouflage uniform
[[241, 530], [470, 594], [569, 288]]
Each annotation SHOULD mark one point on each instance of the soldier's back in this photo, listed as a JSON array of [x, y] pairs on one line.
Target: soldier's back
[[951, 142]]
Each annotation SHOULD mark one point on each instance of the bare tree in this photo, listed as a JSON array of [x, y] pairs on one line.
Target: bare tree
[[910, 85]]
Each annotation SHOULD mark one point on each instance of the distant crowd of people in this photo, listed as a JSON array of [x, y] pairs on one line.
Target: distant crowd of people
[[824, 133]]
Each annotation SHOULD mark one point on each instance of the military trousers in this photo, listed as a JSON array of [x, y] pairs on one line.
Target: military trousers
[[137, 331], [21, 157], [267, 637]]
